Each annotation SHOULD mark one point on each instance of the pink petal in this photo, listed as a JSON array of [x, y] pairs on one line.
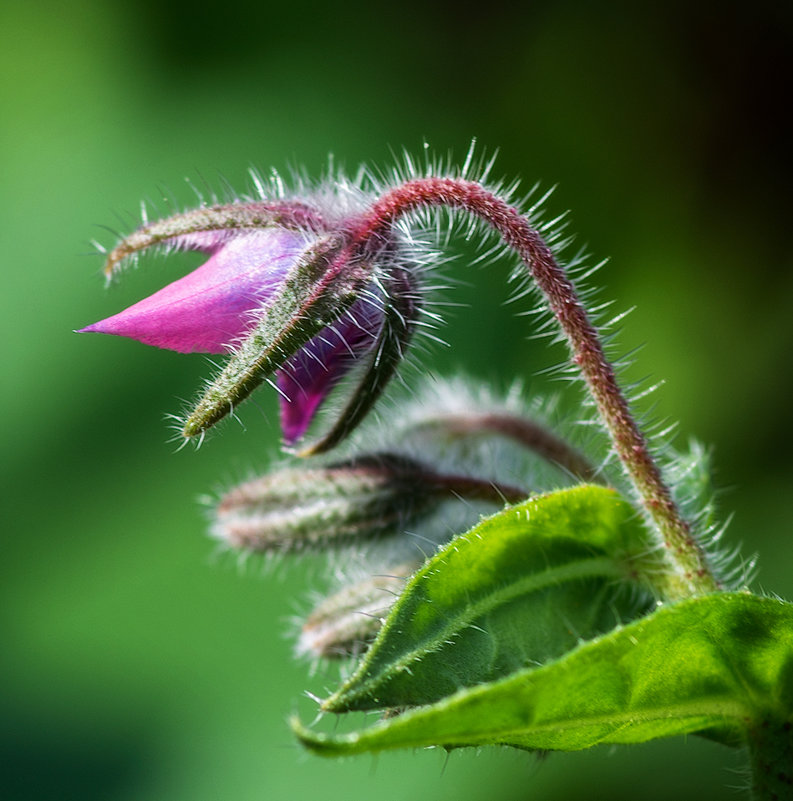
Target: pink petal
[[309, 376], [210, 307]]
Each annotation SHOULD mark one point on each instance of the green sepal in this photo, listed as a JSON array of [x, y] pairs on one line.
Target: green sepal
[[314, 294], [399, 314]]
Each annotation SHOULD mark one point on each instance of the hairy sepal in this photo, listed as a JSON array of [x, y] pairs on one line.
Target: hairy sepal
[[318, 289], [396, 331], [207, 228]]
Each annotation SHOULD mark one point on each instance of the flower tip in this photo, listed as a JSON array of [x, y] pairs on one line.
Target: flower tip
[[115, 326], [99, 327]]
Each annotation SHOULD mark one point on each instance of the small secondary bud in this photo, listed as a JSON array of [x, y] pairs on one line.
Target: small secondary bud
[[345, 623]]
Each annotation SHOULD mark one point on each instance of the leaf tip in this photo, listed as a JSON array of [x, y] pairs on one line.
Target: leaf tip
[[322, 744]]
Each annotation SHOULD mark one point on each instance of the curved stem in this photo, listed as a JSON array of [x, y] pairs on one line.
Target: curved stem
[[686, 572]]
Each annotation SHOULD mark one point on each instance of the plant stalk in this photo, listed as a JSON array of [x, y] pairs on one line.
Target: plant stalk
[[771, 758], [685, 571]]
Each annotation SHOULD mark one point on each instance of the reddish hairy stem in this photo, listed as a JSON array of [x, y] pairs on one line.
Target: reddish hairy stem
[[687, 572]]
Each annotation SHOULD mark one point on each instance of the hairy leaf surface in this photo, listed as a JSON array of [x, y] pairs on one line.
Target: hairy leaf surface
[[522, 587], [715, 664]]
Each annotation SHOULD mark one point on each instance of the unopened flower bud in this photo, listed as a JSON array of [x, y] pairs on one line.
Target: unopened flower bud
[[345, 623], [361, 499]]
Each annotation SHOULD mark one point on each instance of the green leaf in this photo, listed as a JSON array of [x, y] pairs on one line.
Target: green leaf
[[520, 588], [717, 663]]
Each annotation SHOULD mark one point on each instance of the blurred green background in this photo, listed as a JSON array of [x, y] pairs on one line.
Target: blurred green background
[[134, 663]]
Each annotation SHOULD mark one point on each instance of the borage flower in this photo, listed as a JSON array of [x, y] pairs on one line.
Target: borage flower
[[284, 293]]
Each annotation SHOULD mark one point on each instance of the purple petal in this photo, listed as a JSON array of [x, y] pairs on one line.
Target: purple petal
[[309, 376], [210, 307]]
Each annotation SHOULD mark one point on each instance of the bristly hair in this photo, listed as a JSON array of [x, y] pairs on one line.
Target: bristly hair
[[422, 239], [424, 235]]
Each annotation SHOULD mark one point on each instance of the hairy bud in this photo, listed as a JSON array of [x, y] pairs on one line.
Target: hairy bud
[[345, 623], [360, 499]]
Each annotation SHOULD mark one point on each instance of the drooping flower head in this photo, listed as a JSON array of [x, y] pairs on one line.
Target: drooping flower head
[[288, 292]]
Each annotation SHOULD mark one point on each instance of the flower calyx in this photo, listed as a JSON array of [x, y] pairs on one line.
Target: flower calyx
[[286, 295]]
